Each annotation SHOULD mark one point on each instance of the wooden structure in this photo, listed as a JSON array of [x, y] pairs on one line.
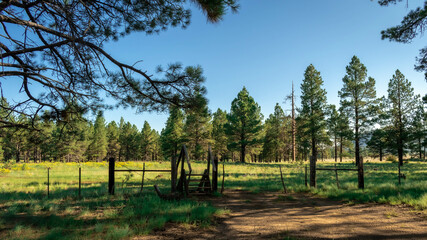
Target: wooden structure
[[189, 182], [183, 181]]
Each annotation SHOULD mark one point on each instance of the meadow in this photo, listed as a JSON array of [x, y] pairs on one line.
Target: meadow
[[28, 213]]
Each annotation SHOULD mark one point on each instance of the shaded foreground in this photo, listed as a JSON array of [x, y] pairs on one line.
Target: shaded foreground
[[296, 216]]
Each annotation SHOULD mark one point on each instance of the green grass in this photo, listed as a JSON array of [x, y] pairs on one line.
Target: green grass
[[27, 213]]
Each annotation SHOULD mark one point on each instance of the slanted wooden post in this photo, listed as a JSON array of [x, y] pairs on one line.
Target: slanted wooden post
[[360, 175], [336, 176], [215, 175], [143, 175], [283, 182], [111, 176]]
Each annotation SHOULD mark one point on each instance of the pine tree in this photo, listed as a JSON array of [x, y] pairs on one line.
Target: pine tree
[[147, 142], [418, 130], [313, 106], [171, 136], [378, 142], [333, 127], [97, 149], [197, 128], [344, 131], [275, 133], [402, 103], [244, 123], [113, 140], [358, 99], [219, 136]]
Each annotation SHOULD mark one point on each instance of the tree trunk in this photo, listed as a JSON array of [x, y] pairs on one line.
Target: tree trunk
[[242, 153], [313, 159], [381, 154], [340, 148], [336, 150], [356, 142]]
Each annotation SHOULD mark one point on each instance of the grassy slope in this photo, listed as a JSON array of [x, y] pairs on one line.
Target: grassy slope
[[26, 212]]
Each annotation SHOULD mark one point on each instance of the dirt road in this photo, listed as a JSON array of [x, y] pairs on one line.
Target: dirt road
[[301, 216]]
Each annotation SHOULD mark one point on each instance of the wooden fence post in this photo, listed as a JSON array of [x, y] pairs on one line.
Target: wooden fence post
[[111, 176], [312, 171], [306, 182], [215, 175], [360, 175]]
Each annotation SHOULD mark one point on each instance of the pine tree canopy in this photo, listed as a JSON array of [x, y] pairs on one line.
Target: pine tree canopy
[[57, 48]]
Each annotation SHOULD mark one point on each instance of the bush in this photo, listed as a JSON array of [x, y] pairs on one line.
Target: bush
[[391, 158]]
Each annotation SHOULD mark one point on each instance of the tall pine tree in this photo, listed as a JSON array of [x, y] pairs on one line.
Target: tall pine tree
[[244, 123], [172, 134], [219, 136], [402, 103], [313, 106], [358, 99]]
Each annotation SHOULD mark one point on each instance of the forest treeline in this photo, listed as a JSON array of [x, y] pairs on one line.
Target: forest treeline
[[363, 124]]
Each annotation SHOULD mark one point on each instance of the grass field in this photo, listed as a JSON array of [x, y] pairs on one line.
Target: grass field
[[27, 213]]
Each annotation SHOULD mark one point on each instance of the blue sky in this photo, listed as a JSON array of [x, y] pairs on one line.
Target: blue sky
[[268, 44]]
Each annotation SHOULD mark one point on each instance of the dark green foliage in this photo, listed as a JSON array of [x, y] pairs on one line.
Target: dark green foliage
[[113, 147], [97, 149], [244, 123], [219, 136], [378, 142], [312, 113], [172, 135], [64, 55], [197, 128], [401, 104], [277, 140], [411, 26], [358, 99]]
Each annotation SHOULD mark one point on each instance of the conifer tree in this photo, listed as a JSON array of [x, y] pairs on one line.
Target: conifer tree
[[219, 136], [419, 130], [275, 132], [344, 131], [333, 127], [402, 103], [113, 140], [97, 149], [244, 123], [358, 99], [313, 106], [171, 136], [197, 128], [378, 142], [147, 142]]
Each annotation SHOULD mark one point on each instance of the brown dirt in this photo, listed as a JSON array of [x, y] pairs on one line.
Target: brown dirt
[[301, 216]]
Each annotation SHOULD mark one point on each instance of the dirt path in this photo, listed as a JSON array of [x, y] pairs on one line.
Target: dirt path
[[301, 216]]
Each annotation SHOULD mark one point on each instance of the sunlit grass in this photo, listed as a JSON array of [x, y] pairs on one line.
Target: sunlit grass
[[27, 213]]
